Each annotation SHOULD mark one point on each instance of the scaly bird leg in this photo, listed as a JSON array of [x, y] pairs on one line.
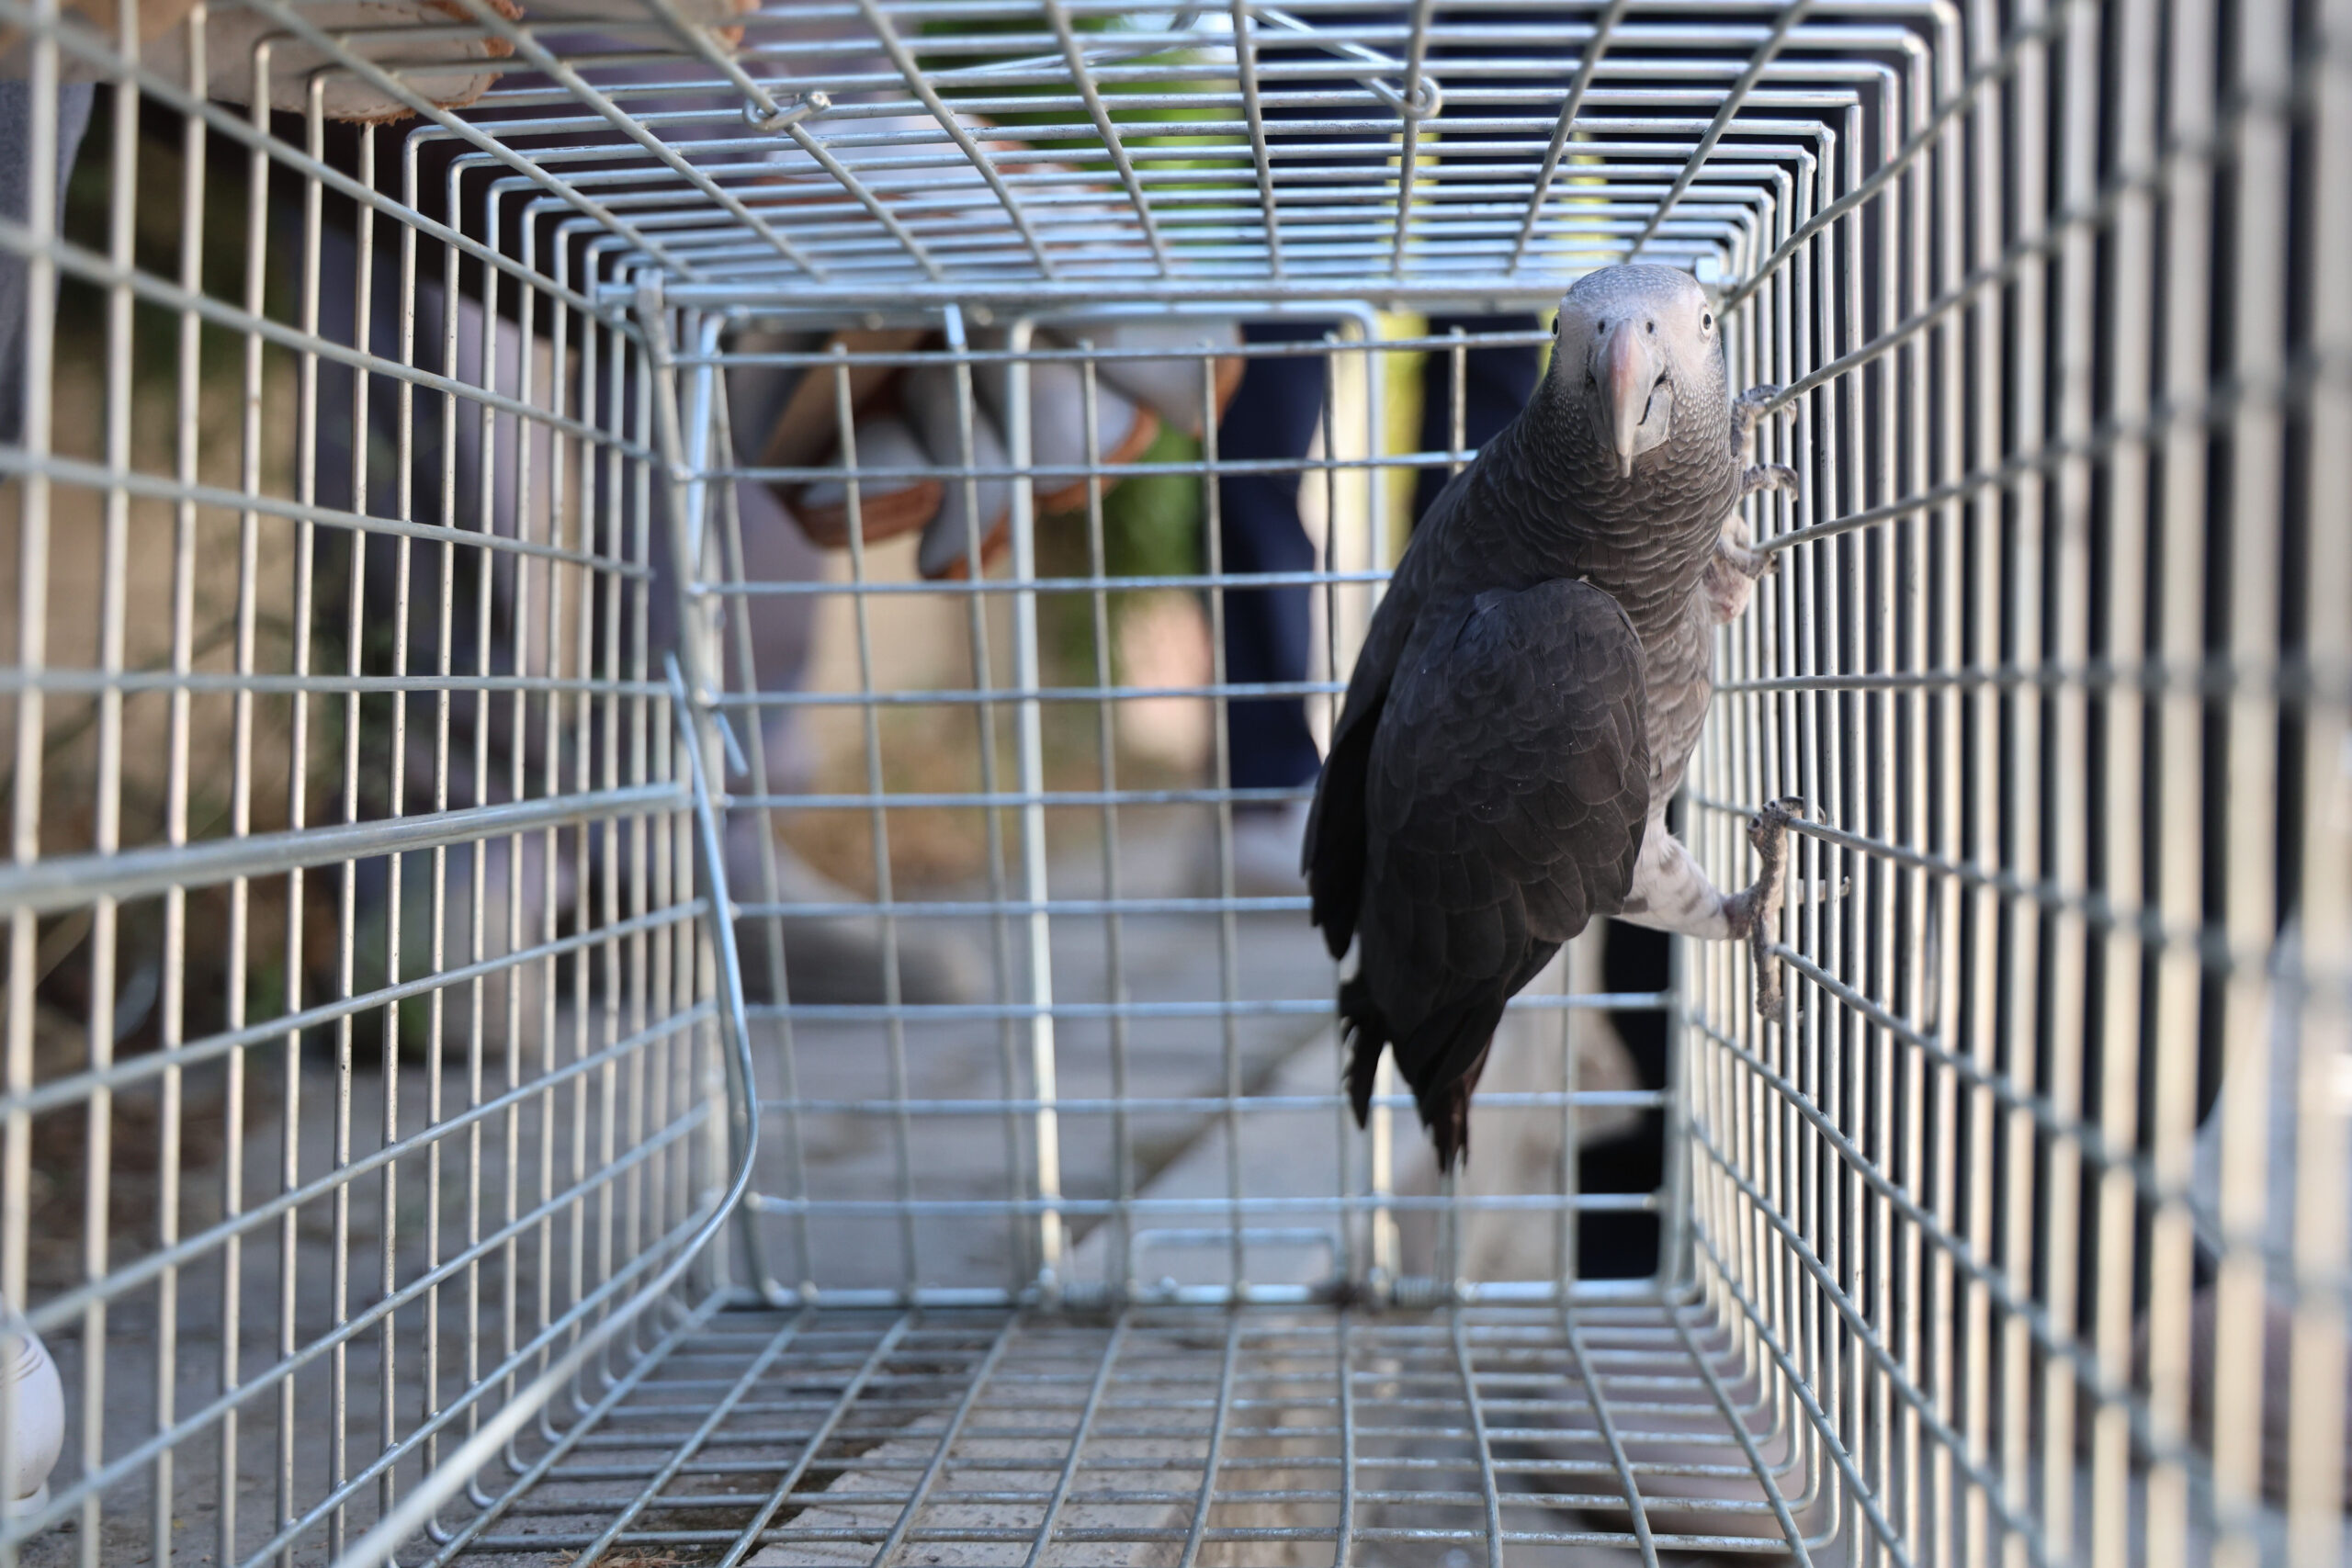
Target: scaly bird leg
[[1731, 572], [1735, 564], [1745, 409], [1734, 569], [1767, 476], [1672, 893], [1761, 912]]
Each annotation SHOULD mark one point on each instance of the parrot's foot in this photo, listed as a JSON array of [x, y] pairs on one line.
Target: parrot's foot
[[1760, 905], [1767, 476], [1751, 564], [1745, 409], [1730, 578], [1736, 564]]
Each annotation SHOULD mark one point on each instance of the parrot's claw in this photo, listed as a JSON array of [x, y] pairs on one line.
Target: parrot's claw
[[1749, 564], [1769, 834], [1767, 476], [1745, 409]]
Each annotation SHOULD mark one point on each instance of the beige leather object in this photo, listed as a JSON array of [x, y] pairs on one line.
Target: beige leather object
[[1170, 388], [927, 394], [369, 29], [156, 18], [1057, 423], [888, 505], [448, 66], [807, 426], [806, 430]]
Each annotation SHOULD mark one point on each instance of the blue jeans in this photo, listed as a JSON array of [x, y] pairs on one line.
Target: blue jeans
[[1272, 417], [74, 101]]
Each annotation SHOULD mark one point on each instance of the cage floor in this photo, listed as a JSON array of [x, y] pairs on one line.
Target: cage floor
[[1162, 1436]]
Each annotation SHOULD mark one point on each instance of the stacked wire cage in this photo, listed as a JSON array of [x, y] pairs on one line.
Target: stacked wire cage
[[417, 1143]]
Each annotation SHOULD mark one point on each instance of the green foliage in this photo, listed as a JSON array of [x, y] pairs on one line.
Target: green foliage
[[1162, 75], [1151, 523], [1151, 528]]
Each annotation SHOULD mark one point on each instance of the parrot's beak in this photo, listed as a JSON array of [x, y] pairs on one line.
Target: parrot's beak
[[1629, 371]]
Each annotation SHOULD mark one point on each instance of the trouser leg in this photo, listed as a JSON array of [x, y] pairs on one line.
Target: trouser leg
[[1273, 416], [74, 101], [1496, 384]]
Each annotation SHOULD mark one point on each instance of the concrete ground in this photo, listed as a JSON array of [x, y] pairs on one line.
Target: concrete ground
[[293, 1437], [1174, 1156]]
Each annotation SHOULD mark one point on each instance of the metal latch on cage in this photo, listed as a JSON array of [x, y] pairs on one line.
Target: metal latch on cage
[[1423, 103]]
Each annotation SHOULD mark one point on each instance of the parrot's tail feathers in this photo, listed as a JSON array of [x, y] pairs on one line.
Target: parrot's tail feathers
[[1447, 1114], [1444, 1107], [1463, 1033], [1366, 1033]]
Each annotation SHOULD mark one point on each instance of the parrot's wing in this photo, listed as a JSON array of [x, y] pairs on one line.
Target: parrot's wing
[[1505, 792], [1334, 849]]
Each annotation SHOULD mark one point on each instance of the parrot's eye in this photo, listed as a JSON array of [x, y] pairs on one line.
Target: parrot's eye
[[1706, 321]]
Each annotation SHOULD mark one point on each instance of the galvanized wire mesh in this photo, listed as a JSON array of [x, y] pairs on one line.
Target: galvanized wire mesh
[[399, 1158]]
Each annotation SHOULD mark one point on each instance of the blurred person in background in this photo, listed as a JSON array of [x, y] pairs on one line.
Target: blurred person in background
[[1268, 636], [1275, 415], [74, 103], [829, 959]]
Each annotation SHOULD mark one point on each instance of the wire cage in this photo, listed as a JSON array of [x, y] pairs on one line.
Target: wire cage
[[636, 924]]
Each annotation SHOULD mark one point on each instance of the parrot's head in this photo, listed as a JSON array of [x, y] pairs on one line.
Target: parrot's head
[[1641, 343]]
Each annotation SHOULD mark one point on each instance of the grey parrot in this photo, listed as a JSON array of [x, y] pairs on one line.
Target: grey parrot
[[1529, 693]]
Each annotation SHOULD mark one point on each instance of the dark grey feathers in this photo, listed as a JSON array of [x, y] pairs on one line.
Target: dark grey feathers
[[1504, 800], [1496, 762]]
